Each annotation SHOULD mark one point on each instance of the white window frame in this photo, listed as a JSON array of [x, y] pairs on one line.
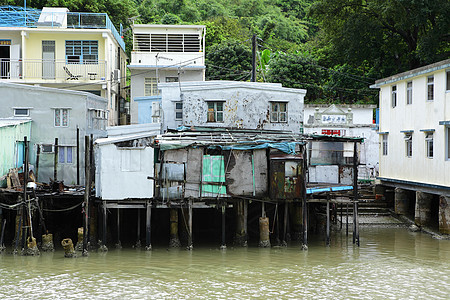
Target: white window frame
[[178, 110], [214, 112], [21, 108], [409, 92], [430, 88], [63, 150], [447, 80], [393, 96], [62, 109], [151, 86], [384, 144], [50, 145], [408, 144], [276, 114], [429, 144], [447, 143]]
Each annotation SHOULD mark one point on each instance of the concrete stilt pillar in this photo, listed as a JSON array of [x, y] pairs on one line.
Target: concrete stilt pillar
[[401, 201], [264, 237], [79, 245], [240, 238], [174, 241], [422, 215], [444, 214]]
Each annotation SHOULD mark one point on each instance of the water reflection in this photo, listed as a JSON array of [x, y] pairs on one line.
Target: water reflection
[[391, 263]]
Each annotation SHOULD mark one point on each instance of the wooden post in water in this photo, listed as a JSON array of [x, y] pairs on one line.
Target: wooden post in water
[[346, 223], [119, 244], [355, 195], [240, 207], [138, 230], [190, 243], [304, 202], [285, 222], [87, 192], [328, 221], [148, 235], [223, 208], [25, 197], [103, 245], [55, 162]]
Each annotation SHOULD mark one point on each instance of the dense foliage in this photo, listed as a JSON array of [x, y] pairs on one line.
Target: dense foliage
[[333, 48]]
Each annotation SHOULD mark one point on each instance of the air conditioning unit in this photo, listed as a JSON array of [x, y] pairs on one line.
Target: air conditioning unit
[[156, 109], [116, 75]]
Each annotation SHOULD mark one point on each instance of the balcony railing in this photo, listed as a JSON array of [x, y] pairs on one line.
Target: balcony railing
[[13, 17], [59, 70]]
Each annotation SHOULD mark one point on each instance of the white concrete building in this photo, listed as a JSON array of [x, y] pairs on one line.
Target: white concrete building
[[163, 53], [347, 121], [56, 48], [250, 105], [415, 138]]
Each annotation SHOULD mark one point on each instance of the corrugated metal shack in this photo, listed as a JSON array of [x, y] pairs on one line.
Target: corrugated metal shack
[[223, 168]]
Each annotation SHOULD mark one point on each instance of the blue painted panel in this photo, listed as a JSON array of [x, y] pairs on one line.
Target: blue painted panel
[[20, 149]]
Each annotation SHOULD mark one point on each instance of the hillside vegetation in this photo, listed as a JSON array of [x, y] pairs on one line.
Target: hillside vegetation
[[333, 48]]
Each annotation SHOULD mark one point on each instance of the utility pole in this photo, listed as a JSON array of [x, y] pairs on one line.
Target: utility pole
[[253, 79]]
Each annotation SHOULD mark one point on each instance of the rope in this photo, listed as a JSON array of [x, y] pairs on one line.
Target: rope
[[63, 209]]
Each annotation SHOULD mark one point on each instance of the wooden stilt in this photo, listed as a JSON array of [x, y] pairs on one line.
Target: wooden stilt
[[285, 223], [87, 191], [328, 222], [174, 241], [223, 246], [138, 235], [346, 222], [148, 226], [190, 244], [103, 246], [119, 243]]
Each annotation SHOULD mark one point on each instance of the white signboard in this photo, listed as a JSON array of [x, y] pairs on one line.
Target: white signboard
[[334, 119]]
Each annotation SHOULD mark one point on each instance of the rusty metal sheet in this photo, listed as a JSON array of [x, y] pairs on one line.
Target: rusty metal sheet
[[172, 192]]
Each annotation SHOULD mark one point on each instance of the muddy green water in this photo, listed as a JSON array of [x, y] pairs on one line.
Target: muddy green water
[[390, 264]]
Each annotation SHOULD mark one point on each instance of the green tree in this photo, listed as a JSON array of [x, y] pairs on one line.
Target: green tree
[[299, 71], [395, 35], [230, 60]]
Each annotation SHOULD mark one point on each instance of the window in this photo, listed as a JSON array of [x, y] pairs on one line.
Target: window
[[385, 144], [157, 42], [448, 142], [215, 111], [178, 110], [394, 96], [65, 154], [278, 111], [448, 80], [47, 148], [61, 117], [151, 86], [429, 144], [21, 112], [430, 88], [171, 79], [409, 92], [82, 52], [408, 144]]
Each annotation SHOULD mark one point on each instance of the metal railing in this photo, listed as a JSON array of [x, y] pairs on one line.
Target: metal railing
[[52, 70], [37, 18]]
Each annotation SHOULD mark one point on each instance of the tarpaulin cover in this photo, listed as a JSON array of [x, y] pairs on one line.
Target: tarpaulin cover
[[286, 147]]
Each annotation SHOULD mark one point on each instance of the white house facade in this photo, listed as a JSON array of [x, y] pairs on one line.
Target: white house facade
[[163, 53], [414, 134], [249, 105], [56, 48], [347, 121]]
